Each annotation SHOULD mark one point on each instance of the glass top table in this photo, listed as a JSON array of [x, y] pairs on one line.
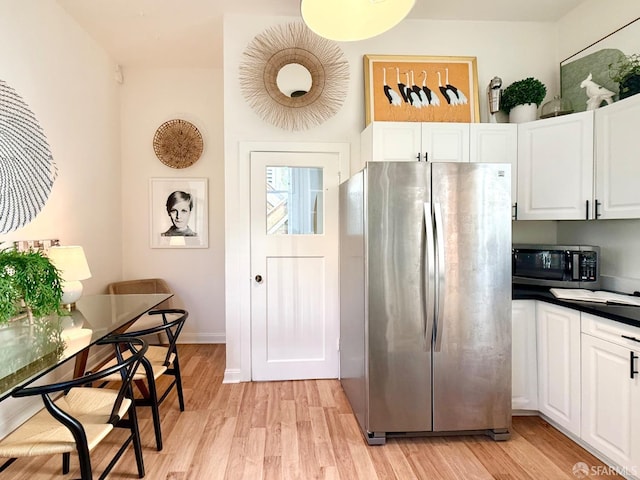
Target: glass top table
[[29, 350]]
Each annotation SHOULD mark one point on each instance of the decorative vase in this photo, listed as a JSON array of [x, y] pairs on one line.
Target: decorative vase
[[523, 113]]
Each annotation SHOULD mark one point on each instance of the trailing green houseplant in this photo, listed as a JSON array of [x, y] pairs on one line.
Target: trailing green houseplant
[[28, 282], [521, 92], [626, 72]]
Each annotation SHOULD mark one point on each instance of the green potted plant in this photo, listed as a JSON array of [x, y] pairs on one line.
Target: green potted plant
[[626, 72], [29, 283], [529, 93]]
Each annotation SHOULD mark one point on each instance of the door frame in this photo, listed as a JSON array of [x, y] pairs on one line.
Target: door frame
[[238, 247]]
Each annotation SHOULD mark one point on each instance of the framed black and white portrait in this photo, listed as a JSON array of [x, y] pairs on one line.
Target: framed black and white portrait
[[178, 209]]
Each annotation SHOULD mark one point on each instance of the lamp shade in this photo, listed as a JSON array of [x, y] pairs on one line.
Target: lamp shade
[[71, 261], [349, 20]]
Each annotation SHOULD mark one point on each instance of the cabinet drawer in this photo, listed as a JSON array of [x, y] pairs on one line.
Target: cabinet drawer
[[611, 331]]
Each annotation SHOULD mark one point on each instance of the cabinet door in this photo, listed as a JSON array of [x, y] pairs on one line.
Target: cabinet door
[[395, 141], [610, 417], [524, 369], [559, 365], [617, 165], [445, 142], [496, 143], [555, 168]]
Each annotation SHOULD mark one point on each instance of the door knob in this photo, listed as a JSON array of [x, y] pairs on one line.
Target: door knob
[[259, 278]]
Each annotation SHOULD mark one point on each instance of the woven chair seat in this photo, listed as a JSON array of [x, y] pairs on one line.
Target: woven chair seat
[[44, 435], [156, 356]]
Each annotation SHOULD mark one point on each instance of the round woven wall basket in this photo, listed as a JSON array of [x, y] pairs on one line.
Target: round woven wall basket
[[178, 143]]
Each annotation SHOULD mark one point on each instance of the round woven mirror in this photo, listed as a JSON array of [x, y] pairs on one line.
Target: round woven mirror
[[294, 43]]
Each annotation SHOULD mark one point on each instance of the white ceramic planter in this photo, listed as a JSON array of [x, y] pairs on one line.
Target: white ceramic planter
[[523, 113]]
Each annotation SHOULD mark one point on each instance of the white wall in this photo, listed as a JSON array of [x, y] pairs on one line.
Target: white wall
[[618, 239], [590, 21], [149, 98], [67, 81], [510, 50]]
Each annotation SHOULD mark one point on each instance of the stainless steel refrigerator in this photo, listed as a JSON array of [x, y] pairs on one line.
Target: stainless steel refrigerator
[[425, 298]]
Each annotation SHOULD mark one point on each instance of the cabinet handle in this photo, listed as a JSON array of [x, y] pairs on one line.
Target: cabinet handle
[[418, 156], [515, 211], [630, 338], [587, 215], [597, 210], [426, 156], [632, 357]]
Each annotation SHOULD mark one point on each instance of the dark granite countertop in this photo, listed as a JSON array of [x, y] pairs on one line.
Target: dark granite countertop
[[620, 313]]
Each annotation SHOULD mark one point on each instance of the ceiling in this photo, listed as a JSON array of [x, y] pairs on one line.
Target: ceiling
[[188, 33]]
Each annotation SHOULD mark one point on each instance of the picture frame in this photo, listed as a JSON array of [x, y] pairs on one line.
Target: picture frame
[[178, 213], [451, 93], [594, 59]]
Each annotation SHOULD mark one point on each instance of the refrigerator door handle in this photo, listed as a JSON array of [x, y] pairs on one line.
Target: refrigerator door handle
[[429, 276], [439, 279]]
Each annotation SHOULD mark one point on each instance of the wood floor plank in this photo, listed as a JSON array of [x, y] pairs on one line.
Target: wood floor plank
[[555, 445], [357, 448], [306, 430], [532, 460], [254, 454], [496, 461], [321, 437]]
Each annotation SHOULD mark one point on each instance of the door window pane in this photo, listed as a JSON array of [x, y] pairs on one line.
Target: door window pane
[[294, 201]]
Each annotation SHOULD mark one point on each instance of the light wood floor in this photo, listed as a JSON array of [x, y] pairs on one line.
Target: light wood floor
[[305, 430]]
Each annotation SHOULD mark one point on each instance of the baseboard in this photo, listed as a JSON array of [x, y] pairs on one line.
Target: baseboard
[[202, 338], [232, 375], [525, 413]]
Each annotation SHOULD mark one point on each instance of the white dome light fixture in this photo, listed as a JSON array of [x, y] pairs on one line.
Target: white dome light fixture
[[350, 20]]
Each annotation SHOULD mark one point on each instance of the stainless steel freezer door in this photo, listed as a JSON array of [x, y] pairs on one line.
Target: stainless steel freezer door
[[399, 356], [472, 347]]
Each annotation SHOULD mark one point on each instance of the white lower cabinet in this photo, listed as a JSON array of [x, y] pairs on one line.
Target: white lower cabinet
[[524, 367], [587, 377], [610, 390], [558, 330]]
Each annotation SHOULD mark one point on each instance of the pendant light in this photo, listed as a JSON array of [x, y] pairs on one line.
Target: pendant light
[[349, 20]]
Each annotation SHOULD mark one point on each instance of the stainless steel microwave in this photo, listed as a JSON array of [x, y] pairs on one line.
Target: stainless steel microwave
[[568, 266]]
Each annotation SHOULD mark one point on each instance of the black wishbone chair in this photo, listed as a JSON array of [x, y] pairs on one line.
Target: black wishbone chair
[[82, 415], [158, 361]]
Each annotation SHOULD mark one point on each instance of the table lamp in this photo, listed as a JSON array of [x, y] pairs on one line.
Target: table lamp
[[72, 263]]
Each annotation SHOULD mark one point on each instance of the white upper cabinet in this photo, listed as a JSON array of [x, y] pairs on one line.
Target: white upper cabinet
[[555, 168], [415, 141], [496, 143], [617, 165]]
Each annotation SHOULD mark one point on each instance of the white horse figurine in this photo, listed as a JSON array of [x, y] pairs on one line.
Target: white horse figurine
[[596, 93]]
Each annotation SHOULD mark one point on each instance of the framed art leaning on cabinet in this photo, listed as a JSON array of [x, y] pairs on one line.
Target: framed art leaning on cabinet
[[409, 88]]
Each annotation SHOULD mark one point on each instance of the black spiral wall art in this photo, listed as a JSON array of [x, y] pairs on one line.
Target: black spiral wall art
[[27, 170]]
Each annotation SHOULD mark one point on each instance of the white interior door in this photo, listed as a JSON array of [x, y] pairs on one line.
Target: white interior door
[[294, 265]]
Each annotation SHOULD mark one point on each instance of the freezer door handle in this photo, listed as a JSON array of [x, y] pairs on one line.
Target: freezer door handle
[[429, 276], [440, 278]]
